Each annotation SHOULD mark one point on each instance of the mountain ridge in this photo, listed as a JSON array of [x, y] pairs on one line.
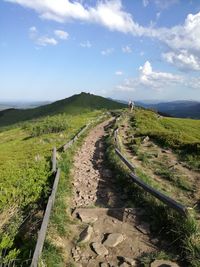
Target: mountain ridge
[[179, 108], [75, 104]]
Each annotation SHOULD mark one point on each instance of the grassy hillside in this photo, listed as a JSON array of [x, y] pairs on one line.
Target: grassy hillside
[[182, 135], [25, 169], [73, 105], [25, 178]]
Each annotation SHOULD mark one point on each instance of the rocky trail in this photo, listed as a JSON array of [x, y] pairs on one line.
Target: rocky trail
[[106, 232]]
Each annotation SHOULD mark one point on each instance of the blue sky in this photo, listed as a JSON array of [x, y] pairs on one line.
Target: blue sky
[[148, 49]]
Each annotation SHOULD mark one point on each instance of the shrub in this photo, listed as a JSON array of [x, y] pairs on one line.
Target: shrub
[[48, 125]]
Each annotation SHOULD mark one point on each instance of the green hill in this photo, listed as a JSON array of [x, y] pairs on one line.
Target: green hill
[[75, 104]]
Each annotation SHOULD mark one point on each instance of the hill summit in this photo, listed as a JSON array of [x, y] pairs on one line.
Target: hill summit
[[75, 104]]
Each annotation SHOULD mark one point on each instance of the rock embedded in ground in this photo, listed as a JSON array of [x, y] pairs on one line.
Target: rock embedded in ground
[[144, 228], [155, 241], [145, 140], [76, 254], [165, 151], [99, 249], [130, 261], [104, 264], [85, 235], [124, 264], [87, 218], [162, 263], [113, 240]]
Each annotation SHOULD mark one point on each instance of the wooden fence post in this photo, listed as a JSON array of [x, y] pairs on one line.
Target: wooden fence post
[[54, 160]]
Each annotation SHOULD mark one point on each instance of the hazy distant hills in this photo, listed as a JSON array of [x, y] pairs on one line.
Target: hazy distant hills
[[21, 105], [75, 104], [181, 109]]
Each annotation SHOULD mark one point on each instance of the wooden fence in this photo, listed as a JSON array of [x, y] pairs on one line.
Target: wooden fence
[[56, 171], [162, 197]]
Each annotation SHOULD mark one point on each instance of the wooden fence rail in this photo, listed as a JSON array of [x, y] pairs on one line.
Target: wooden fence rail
[[66, 146], [43, 229], [128, 164], [162, 197], [51, 200]]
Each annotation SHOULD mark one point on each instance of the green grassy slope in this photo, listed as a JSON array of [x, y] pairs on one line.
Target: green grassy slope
[[25, 177], [75, 104], [182, 135]]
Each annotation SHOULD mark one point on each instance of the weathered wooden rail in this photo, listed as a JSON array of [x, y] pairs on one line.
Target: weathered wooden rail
[[154, 192], [68, 144], [43, 229], [56, 171]]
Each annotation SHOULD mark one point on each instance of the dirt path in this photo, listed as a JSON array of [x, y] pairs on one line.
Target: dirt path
[[94, 184], [106, 232]]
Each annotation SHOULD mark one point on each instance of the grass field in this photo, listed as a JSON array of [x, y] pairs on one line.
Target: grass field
[[25, 174], [181, 135]]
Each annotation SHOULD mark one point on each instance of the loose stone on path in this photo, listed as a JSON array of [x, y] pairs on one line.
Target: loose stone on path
[[113, 240], [86, 234], [99, 249], [161, 263]]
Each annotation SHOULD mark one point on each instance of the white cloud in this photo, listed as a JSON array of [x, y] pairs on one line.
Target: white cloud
[[33, 32], [107, 51], [183, 36], [148, 78], [158, 15], [44, 41], [126, 49], [156, 79], [86, 44], [129, 85], [183, 60], [119, 73], [164, 4], [41, 40], [184, 42], [60, 10], [112, 15], [61, 34], [145, 3]]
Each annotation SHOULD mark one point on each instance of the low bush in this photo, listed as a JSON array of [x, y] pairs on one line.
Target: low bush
[[48, 125]]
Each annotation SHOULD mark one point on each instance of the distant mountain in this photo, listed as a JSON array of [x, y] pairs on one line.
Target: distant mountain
[[181, 109], [21, 105], [73, 105]]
